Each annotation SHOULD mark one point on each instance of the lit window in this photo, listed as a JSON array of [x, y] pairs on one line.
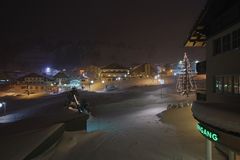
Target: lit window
[[230, 84], [236, 85], [219, 84], [227, 84]]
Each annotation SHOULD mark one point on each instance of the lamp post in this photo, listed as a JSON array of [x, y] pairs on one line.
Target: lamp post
[[208, 149]]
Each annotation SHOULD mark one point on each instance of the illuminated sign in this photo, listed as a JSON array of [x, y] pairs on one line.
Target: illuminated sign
[[207, 133]]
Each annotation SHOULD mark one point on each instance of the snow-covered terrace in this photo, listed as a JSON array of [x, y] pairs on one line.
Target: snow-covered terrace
[[223, 116]]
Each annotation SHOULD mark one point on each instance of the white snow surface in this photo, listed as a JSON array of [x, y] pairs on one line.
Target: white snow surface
[[129, 130]]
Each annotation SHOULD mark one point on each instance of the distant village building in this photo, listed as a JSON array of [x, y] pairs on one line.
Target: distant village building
[[145, 70], [114, 72], [61, 78], [4, 78], [91, 72], [10, 76], [33, 83]]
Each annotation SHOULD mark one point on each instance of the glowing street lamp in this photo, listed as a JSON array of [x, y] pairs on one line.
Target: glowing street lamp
[[103, 81], [161, 81], [4, 106], [90, 83], [48, 70]]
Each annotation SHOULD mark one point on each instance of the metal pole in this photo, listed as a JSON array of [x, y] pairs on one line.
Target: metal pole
[[231, 155], [208, 149], [5, 108]]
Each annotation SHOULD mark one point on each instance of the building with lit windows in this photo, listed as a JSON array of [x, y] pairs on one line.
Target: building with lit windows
[[218, 108], [90, 71], [145, 70], [114, 72], [33, 83]]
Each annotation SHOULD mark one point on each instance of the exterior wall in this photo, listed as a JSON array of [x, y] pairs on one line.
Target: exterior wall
[[112, 74], [226, 63], [33, 88], [32, 80], [219, 112], [93, 70], [229, 141], [62, 80], [33, 84], [143, 71]]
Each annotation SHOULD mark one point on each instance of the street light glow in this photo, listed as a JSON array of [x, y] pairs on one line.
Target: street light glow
[[48, 70]]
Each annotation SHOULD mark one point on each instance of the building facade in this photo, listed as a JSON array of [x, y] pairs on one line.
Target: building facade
[[145, 70], [218, 114], [61, 78], [91, 71], [33, 83], [114, 72]]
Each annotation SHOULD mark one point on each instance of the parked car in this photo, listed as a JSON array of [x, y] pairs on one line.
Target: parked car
[[111, 87]]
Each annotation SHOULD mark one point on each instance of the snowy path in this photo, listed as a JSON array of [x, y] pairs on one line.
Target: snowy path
[[129, 130]]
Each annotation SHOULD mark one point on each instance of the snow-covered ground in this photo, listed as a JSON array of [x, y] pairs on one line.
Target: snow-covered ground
[[131, 128]]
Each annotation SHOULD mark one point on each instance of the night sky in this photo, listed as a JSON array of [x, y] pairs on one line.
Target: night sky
[[74, 33]]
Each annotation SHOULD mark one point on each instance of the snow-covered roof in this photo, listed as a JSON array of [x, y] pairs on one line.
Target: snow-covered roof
[[60, 75], [114, 66], [219, 115]]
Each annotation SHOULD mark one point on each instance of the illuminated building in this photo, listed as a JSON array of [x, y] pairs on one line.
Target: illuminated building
[[217, 110], [33, 83], [145, 70], [90, 71], [113, 72], [61, 78]]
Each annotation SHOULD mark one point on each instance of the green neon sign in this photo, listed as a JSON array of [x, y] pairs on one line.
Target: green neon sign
[[207, 133]]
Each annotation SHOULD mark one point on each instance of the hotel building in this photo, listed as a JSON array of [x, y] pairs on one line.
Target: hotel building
[[218, 108]]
